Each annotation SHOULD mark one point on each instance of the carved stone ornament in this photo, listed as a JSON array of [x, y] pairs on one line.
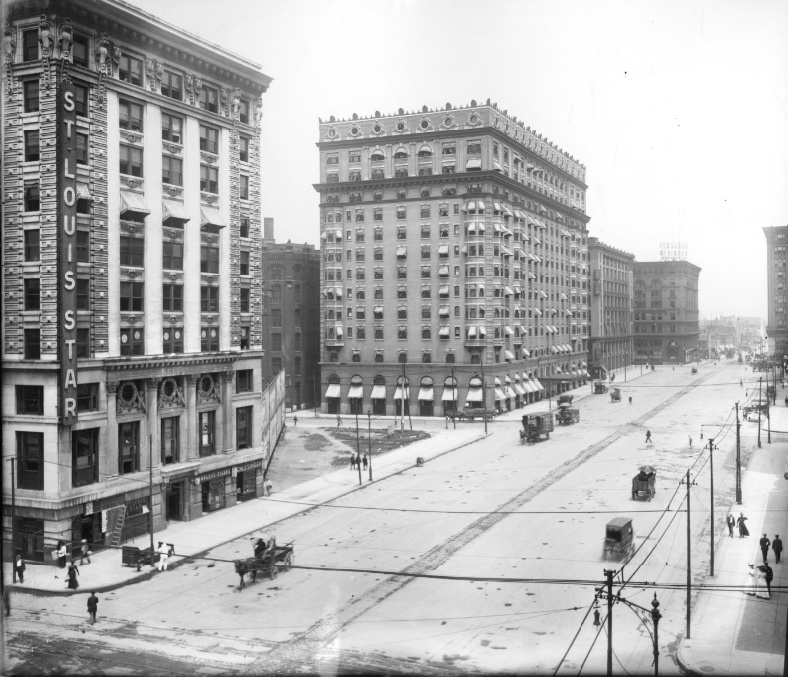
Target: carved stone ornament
[[9, 53], [112, 387], [170, 394], [130, 399], [207, 390], [47, 43], [103, 65], [174, 191], [209, 158]]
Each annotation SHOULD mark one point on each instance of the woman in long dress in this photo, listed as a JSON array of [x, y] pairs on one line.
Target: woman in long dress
[[761, 589], [73, 572], [743, 530], [749, 584]]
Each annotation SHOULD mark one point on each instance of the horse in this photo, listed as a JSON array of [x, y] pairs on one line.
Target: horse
[[242, 567]]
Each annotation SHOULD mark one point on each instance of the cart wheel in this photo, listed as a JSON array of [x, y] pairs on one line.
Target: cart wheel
[[289, 560]]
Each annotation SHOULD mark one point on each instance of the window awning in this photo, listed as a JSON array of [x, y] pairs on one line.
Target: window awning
[[443, 290], [499, 394], [565, 232], [443, 311], [507, 211], [338, 292], [443, 271], [519, 389], [531, 275], [83, 192], [554, 349], [356, 392], [474, 394], [452, 162], [538, 385], [426, 394], [518, 289], [340, 332], [543, 293], [443, 332], [507, 290], [497, 166], [378, 392], [508, 355], [332, 390], [133, 203], [443, 250], [472, 332], [525, 353], [508, 391], [474, 163], [449, 395], [402, 252], [497, 381], [398, 393], [211, 219], [508, 331], [505, 251], [537, 312], [170, 209], [482, 332], [497, 206]]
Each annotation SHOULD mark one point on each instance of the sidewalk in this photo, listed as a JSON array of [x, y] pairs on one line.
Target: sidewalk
[[105, 571], [734, 633]]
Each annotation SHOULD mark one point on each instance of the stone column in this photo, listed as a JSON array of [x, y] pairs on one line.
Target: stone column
[[228, 413], [152, 406], [110, 465], [192, 434]]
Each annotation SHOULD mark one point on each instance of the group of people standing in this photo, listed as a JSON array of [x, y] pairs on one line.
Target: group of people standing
[[759, 578], [357, 461]]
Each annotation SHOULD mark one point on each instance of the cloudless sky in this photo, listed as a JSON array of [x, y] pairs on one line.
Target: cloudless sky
[[677, 108]]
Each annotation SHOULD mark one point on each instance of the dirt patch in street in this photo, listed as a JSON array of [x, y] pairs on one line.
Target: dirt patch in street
[[379, 440]]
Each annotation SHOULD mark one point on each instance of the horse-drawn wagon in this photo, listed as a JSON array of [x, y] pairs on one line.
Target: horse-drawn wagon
[[536, 427], [268, 559]]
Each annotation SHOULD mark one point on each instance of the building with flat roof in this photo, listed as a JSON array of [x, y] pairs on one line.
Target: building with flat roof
[[776, 335], [612, 286], [132, 289], [666, 312], [455, 263]]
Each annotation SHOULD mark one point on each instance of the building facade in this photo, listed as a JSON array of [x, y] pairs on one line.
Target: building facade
[[291, 334], [612, 287], [454, 263], [666, 312], [132, 289], [777, 312]]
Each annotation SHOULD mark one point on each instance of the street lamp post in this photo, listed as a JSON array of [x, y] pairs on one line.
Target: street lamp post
[[369, 442], [358, 449]]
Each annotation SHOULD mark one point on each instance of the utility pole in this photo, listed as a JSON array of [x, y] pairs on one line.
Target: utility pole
[[738, 458], [402, 402], [454, 389], [13, 515], [358, 449], [609, 574], [369, 442], [655, 616], [689, 553], [759, 411], [711, 530], [150, 493], [484, 391]]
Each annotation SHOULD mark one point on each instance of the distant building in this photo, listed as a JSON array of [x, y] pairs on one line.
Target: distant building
[[291, 334], [666, 312], [776, 273], [455, 262], [611, 308], [132, 297]]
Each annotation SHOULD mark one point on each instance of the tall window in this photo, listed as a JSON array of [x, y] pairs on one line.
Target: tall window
[[83, 293], [31, 145], [209, 139], [30, 460], [130, 70], [172, 255], [244, 381], [83, 246], [132, 296], [209, 99], [171, 128], [33, 245], [207, 421], [130, 160], [243, 148], [32, 196], [130, 115], [244, 226], [209, 179], [172, 170], [243, 427], [31, 94], [30, 400], [132, 342], [243, 112], [84, 457], [81, 100], [244, 188], [172, 340], [87, 397], [32, 293], [244, 299], [244, 262], [82, 149], [132, 251], [170, 447], [79, 49], [32, 344], [172, 297], [209, 259], [128, 447], [172, 85], [30, 45], [209, 299]]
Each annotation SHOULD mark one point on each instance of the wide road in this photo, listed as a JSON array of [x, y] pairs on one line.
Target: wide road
[[484, 559]]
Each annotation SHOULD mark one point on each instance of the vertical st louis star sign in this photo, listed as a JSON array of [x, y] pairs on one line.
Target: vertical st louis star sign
[[67, 263]]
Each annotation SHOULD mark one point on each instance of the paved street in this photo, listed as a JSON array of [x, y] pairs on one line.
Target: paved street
[[483, 559]]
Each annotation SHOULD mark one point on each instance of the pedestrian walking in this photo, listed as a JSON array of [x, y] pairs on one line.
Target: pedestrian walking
[[295, 421], [85, 552], [750, 583], [364, 461], [358, 461], [786, 401], [765, 543], [777, 546], [690, 441], [92, 607], [630, 399], [731, 521], [339, 421], [19, 567], [164, 553], [743, 530], [268, 487], [768, 575], [352, 462], [62, 554], [73, 572], [648, 436]]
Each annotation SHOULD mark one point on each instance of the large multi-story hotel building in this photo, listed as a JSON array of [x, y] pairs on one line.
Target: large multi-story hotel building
[[454, 262], [132, 293], [776, 336], [291, 334], [667, 323], [610, 343]]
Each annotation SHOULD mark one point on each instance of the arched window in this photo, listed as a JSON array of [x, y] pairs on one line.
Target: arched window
[[378, 155], [425, 151], [401, 153]]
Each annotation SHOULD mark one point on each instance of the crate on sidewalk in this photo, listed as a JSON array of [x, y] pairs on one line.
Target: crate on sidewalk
[[133, 556]]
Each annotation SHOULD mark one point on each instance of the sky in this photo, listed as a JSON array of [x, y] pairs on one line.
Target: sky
[[677, 108]]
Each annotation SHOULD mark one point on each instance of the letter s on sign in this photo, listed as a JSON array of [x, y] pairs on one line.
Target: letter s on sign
[[68, 320], [68, 101], [69, 284]]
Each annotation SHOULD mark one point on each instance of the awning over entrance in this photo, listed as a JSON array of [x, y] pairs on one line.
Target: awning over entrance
[[449, 395], [398, 393], [538, 385], [508, 392], [426, 394], [519, 389], [474, 394], [356, 392], [332, 390], [378, 392], [499, 394], [133, 203], [508, 355]]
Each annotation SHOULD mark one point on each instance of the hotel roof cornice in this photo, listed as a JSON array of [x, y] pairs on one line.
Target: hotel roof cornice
[[124, 21]]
